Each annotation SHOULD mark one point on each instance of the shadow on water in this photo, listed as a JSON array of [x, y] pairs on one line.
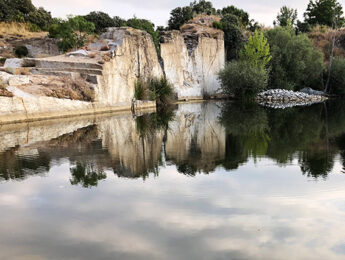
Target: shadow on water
[[196, 138]]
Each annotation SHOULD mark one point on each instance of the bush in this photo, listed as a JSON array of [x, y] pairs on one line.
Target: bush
[[158, 89], [21, 51], [242, 79], [100, 20], [71, 33], [337, 79], [295, 63]]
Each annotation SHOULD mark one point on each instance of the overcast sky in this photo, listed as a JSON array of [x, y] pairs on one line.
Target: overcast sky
[[263, 11]]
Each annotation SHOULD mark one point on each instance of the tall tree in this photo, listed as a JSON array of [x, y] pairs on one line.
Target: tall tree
[[286, 16], [203, 7], [179, 16], [324, 12]]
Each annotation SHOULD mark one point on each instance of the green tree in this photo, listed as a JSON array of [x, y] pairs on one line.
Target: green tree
[[295, 62], [242, 16], [71, 33], [337, 77], [202, 7], [233, 37], [257, 50], [287, 16], [101, 21], [41, 18], [118, 21], [179, 16], [324, 12], [242, 79]]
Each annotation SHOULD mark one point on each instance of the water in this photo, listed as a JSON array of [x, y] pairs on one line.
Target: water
[[204, 181]]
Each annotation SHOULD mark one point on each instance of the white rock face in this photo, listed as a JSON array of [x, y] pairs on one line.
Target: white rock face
[[13, 63], [135, 57], [192, 61]]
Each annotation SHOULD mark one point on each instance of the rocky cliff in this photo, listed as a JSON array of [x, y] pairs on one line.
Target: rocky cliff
[[101, 77], [193, 57]]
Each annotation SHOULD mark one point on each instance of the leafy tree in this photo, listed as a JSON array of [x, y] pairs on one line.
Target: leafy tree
[[71, 33], [41, 18], [179, 16], [337, 76], [100, 20], [287, 16], [243, 16], [202, 7], [295, 63], [118, 21], [242, 79], [233, 37], [324, 12], [257, 50], [86, 175]]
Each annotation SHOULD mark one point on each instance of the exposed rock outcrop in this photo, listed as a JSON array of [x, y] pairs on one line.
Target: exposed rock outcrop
[[192, 58]]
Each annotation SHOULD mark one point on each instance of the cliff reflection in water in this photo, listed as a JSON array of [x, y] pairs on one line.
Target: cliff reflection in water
[[197, 138]]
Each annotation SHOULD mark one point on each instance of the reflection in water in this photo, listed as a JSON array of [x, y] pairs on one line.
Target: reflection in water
[[197, 138], [120, 187]]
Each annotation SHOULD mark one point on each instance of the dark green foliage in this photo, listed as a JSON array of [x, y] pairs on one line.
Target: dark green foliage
[[86, 175], [159, 90], [295, 63], [21, 51], [324, 12], [202, 7], [71, 33], [337, 79], [233, 37], [41, 18], [145, 25], [303, 27], [24, 11], [100, 20], [242, 79], [242, 16], [179, 16], [118, 21], [286, 17]]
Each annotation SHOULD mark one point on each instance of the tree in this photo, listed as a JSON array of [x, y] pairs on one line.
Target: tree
[[324, 12], [242, 79], [71, 33], [202, 7], [257, 50], [287, 16], [295, 63], [100, 20], [41, 18], [337, 77], [118, 21], [233, 37], [179, 16], [243, 17]]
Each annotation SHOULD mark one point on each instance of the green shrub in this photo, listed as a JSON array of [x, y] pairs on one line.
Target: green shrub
[[337, 79], [101, 21], [295, 62], [158, 89], [21, 51], [242, 79]]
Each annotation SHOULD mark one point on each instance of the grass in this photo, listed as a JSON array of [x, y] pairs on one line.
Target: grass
[[19, 30]]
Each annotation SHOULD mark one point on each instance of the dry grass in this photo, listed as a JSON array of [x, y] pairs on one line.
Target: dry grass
[[18, 30], [75, 89]]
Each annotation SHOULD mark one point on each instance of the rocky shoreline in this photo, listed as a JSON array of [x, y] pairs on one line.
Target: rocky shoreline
[[281, 98]]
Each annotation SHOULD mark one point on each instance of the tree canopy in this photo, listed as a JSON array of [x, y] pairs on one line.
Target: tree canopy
[[287, 16]]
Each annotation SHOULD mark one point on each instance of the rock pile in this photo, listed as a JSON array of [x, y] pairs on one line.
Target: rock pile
[[281, 98]]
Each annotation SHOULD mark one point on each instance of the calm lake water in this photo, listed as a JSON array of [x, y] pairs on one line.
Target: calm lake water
[[202, 181]]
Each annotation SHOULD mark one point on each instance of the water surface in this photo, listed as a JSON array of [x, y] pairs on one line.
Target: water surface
[[202, 181]]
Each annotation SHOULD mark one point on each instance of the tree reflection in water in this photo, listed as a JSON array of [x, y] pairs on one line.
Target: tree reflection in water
[[196, 138]]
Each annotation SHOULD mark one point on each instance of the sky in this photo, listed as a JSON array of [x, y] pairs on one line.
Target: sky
[[263, 11]]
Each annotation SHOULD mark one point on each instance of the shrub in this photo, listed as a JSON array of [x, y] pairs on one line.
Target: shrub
[[21, 51], [179, 16], [71, 33], [242, 79], [100, 20], [295, 63], [158, 89], [337, 79]]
